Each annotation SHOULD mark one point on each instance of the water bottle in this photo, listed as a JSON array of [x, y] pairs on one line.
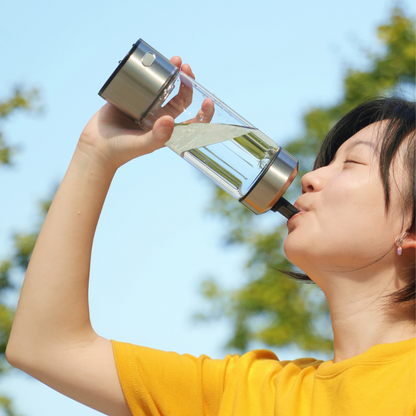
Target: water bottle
[[208, 134]]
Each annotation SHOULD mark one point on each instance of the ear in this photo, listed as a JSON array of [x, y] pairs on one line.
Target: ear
[[409, 241]]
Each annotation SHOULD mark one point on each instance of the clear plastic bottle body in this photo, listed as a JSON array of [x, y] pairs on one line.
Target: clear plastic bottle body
[[224, 146], [208, 134]]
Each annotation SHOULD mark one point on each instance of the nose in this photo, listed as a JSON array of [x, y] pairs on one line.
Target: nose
[[313, 181]]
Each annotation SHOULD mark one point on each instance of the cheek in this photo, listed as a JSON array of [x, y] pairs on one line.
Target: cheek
[[353, 200], [356, 218], [348, 221]]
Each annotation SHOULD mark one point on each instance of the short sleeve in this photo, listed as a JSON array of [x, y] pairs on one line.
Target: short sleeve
[[166, 383]]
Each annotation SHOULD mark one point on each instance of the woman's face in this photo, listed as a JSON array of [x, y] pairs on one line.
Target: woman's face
[[343, 223]]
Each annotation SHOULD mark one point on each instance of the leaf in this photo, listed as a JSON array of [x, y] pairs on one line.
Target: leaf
[[20, 100]]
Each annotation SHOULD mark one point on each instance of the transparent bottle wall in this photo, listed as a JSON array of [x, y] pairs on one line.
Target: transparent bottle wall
[[225, 147]]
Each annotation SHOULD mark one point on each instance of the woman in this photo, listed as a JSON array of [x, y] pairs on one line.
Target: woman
[[354, 237]]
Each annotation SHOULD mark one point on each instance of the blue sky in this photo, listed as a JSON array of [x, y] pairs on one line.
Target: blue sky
[[268, 60]]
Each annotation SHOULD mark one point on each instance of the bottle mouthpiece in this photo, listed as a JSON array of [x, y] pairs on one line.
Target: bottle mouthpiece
[[285, 208]]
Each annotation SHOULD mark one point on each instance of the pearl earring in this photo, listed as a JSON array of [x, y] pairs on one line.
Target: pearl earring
[[399, 247]]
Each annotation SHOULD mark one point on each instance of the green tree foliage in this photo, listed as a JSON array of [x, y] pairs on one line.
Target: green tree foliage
[[23, 244], [270, 307], [20, 100]]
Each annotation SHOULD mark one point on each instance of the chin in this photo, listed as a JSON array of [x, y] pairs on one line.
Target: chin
[[301, 255], [293, 251], [295, 244]]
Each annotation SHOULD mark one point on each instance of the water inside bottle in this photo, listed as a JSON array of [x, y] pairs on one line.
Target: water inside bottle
[[232, 156]]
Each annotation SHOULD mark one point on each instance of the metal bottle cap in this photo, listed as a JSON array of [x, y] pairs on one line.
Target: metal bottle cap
[[272, 184], [140, 82]]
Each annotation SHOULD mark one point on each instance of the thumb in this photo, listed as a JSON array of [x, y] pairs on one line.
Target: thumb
[[161, 132]]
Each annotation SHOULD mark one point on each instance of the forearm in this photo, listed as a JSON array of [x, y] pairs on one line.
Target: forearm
[[52, 338], [53, 307]]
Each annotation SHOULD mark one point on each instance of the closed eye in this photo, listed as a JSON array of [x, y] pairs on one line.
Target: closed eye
[[352, 161]]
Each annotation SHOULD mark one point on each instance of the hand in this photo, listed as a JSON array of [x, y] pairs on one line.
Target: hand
[[112, 139], [179, 103]]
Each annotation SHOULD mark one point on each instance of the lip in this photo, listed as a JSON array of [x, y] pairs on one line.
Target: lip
[[300, 207], [295, 216], [301, 211]]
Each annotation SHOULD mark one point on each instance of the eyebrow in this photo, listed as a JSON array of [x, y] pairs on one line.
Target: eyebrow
[[358, 142]]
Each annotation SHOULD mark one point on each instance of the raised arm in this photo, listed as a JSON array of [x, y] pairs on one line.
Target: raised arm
[[52, 338]]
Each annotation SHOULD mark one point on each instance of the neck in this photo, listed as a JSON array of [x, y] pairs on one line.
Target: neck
[[360, 314]]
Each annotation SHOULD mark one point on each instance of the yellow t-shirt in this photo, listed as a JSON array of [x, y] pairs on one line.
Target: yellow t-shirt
[[379, 382]]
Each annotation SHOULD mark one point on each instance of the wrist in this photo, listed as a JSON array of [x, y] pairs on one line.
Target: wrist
[[93, 162]]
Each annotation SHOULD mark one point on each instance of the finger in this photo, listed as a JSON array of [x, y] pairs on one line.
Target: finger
[[184, 98], [205, 114], [187, 70], [207, 111], [153, 139], [161, 132], [178, 104], [176, 60]]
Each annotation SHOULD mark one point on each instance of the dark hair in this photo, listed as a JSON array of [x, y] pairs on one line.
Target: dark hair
[[401, 115]]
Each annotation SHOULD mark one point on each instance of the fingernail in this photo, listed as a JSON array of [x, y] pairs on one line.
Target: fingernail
[[166, 124]]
